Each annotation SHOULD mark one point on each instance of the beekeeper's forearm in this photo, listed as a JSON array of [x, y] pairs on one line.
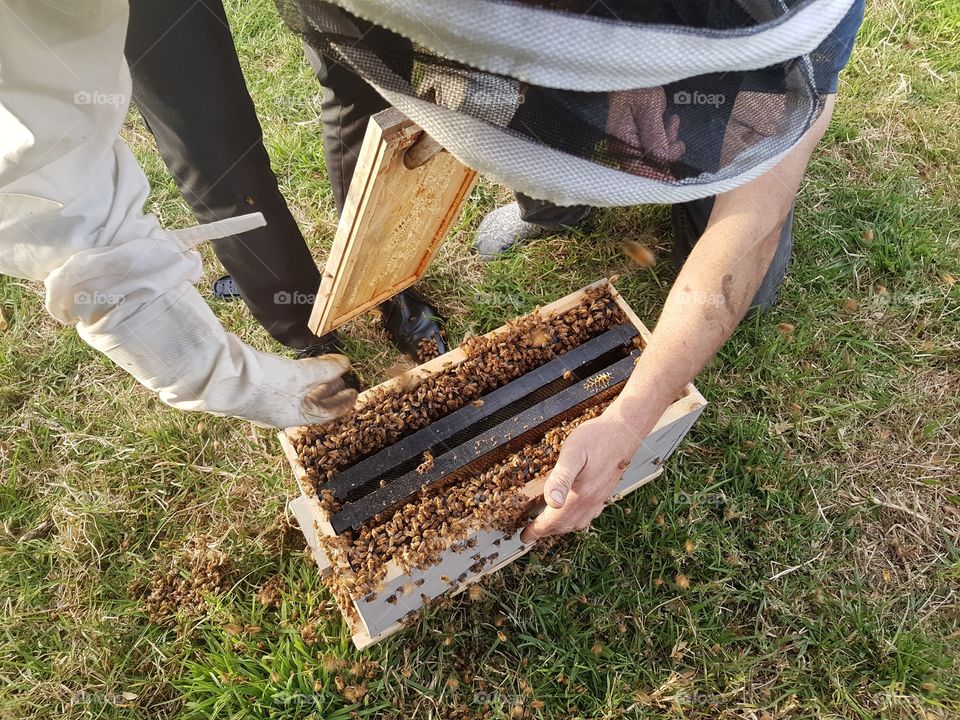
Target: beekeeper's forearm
[[713, 291]]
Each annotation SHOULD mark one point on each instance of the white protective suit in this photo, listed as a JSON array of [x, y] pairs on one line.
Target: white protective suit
[[71, 199]]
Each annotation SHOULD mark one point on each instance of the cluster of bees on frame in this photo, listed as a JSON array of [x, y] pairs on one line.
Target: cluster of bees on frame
[[417, 533], [427, 350], [389, 414]]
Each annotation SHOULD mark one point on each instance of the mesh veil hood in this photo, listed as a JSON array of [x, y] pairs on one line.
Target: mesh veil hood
[[595, 103]]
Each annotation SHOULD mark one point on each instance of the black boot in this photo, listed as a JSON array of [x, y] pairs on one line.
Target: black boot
[[325, 345], [411, 322]]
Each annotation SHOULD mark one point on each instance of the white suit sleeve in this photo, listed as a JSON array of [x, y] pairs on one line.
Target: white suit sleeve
[[71, 199]]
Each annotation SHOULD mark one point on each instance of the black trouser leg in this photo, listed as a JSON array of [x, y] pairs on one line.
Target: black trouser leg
[[189, 87], [348, 102], [548, 215]]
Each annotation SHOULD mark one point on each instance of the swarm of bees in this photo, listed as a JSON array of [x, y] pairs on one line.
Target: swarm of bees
[[427, 350], [199, 570], [418, 533]]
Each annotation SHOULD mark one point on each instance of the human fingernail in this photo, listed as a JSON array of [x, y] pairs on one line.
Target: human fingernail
[[557, 497]]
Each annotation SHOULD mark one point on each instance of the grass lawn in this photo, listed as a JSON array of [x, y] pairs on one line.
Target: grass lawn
[[815, 508]]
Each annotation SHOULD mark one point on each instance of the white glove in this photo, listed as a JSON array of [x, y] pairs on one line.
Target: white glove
[[71, 198]]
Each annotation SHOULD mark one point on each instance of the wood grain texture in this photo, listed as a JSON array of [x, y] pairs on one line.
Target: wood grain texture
[[393, 222]]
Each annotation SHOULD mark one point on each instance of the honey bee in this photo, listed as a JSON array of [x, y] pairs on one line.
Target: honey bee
[[640, 254], [427, 463], [541, 337], [598, 381]]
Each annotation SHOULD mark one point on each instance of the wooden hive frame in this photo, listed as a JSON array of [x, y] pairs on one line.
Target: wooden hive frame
[[375, 618], [393, 222]]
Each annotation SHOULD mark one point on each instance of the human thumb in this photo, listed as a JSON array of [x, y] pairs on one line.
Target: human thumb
[[569, 464]]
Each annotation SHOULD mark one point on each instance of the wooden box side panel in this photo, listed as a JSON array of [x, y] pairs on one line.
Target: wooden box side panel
[[381, 618], [303, 511], [312, 519]]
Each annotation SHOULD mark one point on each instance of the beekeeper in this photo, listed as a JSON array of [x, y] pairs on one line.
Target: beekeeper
[[712, 107], [71, 199]]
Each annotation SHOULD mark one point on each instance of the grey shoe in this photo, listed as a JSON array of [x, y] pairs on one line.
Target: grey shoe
[[502, 229]]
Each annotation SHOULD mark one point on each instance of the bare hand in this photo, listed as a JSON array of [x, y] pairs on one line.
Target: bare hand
[[591, 463]]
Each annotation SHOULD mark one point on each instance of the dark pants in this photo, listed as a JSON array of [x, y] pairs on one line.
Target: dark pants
[[348, 102], [188, 85]]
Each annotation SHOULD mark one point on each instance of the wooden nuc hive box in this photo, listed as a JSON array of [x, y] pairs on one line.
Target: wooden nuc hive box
[[425, 487]]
